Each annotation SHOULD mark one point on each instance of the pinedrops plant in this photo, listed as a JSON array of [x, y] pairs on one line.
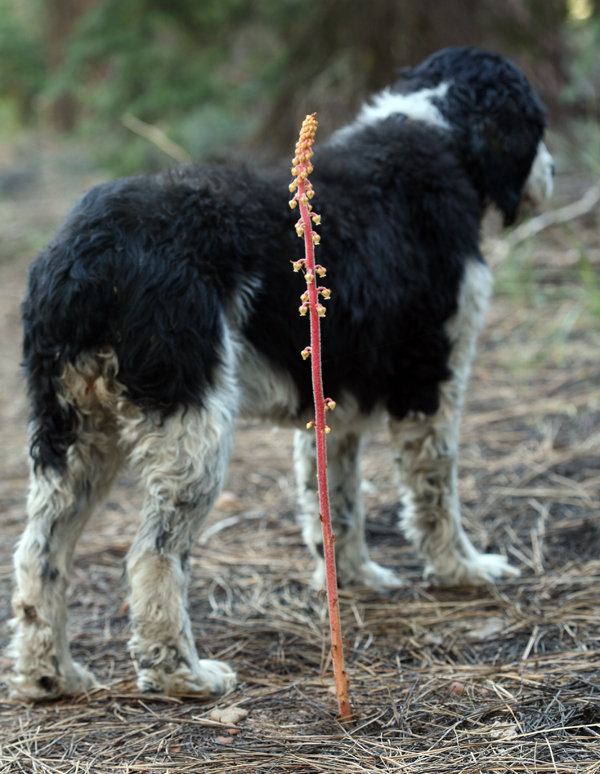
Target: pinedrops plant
[[302, 191]]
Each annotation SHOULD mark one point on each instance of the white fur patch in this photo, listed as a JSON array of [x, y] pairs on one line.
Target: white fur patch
[[462, 329], [540, 183], [240, 306], [417, 105], [265, 391]]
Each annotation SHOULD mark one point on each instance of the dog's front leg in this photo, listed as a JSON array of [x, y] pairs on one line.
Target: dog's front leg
[[347, 514], [182, 461], [425, 451]]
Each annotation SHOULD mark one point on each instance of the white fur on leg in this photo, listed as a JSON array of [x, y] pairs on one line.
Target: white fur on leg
[[347, 515], [44, 667], [59, 505], [426, 450], [162, 642], [183, 462], [38, 674]]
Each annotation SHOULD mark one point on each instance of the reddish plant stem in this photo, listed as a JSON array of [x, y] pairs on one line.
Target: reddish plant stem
[[337, 645]]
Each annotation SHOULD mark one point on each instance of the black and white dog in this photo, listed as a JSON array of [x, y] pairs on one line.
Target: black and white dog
[[165, 307]]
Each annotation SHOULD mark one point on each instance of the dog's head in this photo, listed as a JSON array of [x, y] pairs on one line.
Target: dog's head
[[487, 102]]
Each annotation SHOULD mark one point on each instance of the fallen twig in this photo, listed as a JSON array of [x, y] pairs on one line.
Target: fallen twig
[[158, 137]]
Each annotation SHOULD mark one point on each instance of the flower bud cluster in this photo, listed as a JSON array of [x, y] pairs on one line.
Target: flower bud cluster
[[302, 166], [302, 189]]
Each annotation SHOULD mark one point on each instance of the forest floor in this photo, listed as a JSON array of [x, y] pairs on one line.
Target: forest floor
[[497, 679]]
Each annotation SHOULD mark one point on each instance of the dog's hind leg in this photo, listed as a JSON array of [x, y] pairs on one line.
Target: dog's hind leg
[[425, 451], [183, 462], [60, 503], [347, 514]]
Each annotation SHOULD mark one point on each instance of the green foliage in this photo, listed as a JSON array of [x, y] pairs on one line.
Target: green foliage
[[21, 60], [219, 74], [516, 276], [591, 284], [139, 57], [584, 83], [192, 68]]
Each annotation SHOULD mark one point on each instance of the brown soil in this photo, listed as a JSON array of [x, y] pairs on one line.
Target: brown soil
[[497, 679]]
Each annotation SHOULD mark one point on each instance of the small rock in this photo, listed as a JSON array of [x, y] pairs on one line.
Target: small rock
[[229, 501], [225, 739], [228, 715], [459, 689]]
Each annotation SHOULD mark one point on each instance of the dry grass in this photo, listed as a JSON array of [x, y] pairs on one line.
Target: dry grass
[[492, 680]]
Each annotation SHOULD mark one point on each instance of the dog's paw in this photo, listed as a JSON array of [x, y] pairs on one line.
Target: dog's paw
[[78, 680], [218, 675], [368, 574], [375, 576], [492, 567], [477, 570], [42, 684], [208, 678]]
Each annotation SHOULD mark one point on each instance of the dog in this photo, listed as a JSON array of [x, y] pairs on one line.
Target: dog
[[165, 307]]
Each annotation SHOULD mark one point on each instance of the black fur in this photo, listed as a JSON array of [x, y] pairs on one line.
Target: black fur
[[494, 114], [150, 266]]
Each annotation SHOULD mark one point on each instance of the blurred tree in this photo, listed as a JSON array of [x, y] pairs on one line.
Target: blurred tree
[[583, 89], [21, 60], [351, 48], [60, 18], [274, 60], [237, 76]]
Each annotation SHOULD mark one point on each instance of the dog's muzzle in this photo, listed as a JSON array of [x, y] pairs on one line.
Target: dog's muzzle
[[539, 184]]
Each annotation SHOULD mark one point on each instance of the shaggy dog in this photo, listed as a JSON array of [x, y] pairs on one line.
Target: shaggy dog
[[165, 307]]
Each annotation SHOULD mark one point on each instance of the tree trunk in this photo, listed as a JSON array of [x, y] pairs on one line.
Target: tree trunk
[[61, 18]]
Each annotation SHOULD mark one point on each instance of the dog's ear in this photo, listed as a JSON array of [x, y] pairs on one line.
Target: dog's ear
[[503, 142], [495, 113]]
